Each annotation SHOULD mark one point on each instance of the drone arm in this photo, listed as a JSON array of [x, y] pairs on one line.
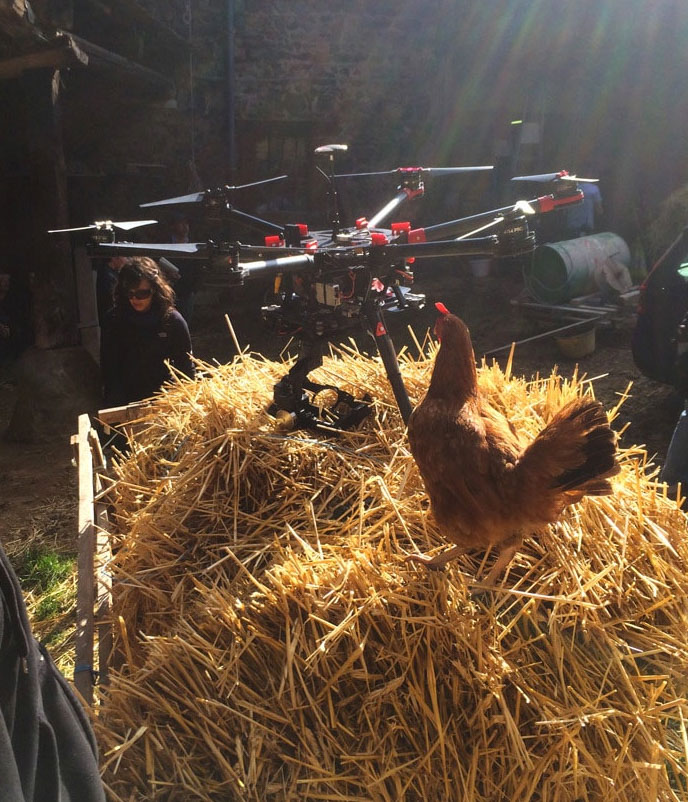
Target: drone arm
[[457, 228], [468, 247], [464, 225], [404, 194], [387, 209], [548, 203], [280, 264]]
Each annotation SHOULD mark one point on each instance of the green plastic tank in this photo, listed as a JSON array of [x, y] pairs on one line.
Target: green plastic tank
[[560, 271]]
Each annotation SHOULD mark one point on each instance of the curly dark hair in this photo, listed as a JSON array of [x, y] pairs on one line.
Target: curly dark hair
[[133, 273]]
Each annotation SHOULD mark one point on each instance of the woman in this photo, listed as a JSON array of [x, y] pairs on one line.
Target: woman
[[142, 331]]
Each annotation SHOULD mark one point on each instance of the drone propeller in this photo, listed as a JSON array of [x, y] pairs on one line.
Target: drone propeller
[[187, 250], [106, 225], [562, 175], [197, 197], [430, 170]]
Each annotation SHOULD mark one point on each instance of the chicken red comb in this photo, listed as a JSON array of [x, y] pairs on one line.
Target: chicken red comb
[[441, 308]]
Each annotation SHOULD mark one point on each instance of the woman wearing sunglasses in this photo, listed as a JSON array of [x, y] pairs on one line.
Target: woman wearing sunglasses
[[142, 332]]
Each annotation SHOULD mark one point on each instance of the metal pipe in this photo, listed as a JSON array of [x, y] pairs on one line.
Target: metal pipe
[[541, 336], [231, 93]]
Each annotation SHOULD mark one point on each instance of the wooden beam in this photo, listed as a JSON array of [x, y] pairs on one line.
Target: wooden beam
[[100, 58], [15, 17], [65, 54], [85, 596], [133, 11], [69, 50], [52, 290], [103, 556]]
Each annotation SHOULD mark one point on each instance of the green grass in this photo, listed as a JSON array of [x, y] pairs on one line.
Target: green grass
[[41, 569], [48, 579]]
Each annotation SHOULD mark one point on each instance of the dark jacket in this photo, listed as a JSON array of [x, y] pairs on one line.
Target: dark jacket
[[134, 347], [47, 749]]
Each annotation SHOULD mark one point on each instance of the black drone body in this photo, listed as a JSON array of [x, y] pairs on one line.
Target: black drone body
[[328, 281]]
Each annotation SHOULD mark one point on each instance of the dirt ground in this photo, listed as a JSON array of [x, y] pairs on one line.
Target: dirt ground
[[39, 482]]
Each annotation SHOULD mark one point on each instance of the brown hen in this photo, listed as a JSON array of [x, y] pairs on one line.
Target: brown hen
[[488, 487]]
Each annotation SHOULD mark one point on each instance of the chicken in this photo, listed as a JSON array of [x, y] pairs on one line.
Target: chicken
[[487, 486]]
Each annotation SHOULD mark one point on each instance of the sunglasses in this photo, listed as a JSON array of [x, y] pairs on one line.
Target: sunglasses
[[140, 295]]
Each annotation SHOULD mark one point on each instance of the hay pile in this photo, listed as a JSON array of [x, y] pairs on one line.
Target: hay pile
[[276, 647]]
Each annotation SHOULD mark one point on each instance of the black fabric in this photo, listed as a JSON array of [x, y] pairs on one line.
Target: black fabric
[[134, 348], [663, 304], [47, 749], [106, 281]]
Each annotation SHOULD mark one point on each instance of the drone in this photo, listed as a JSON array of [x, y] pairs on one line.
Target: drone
[[326, 282]]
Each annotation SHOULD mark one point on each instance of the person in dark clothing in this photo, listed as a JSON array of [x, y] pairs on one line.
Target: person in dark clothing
[[47, 749], [106, 281], [141, 333]]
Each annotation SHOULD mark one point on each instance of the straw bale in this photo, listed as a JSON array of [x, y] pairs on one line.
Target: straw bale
[[275, 646]]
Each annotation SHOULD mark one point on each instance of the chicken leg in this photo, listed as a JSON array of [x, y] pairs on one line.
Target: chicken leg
[[438, 561], [507, 550]]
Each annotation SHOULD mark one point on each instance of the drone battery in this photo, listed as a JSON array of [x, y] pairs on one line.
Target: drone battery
[[327, 294]]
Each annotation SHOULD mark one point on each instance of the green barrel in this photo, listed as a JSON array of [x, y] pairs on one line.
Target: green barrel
[[560, 271]]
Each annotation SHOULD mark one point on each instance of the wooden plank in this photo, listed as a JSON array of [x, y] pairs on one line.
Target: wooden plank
[[129, 412], [103, 556], [83, 676], [103, 615]]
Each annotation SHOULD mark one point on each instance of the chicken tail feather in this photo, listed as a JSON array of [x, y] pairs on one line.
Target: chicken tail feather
[[577, 449]]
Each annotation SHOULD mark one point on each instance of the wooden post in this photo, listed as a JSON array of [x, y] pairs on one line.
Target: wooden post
[[103, 555], [48, 256], [83, 671]]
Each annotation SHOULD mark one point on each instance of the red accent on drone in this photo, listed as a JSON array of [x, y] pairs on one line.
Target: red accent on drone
[[274, 241], [311, 245], [417, 235], [575, 198], [362, 222], [303, 229], [546, 203], [380, 330], [441, 308], [398, 228], [378, 238]]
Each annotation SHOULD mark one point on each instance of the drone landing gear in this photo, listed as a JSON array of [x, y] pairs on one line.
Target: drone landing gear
[[293, 407], [385, 347]]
